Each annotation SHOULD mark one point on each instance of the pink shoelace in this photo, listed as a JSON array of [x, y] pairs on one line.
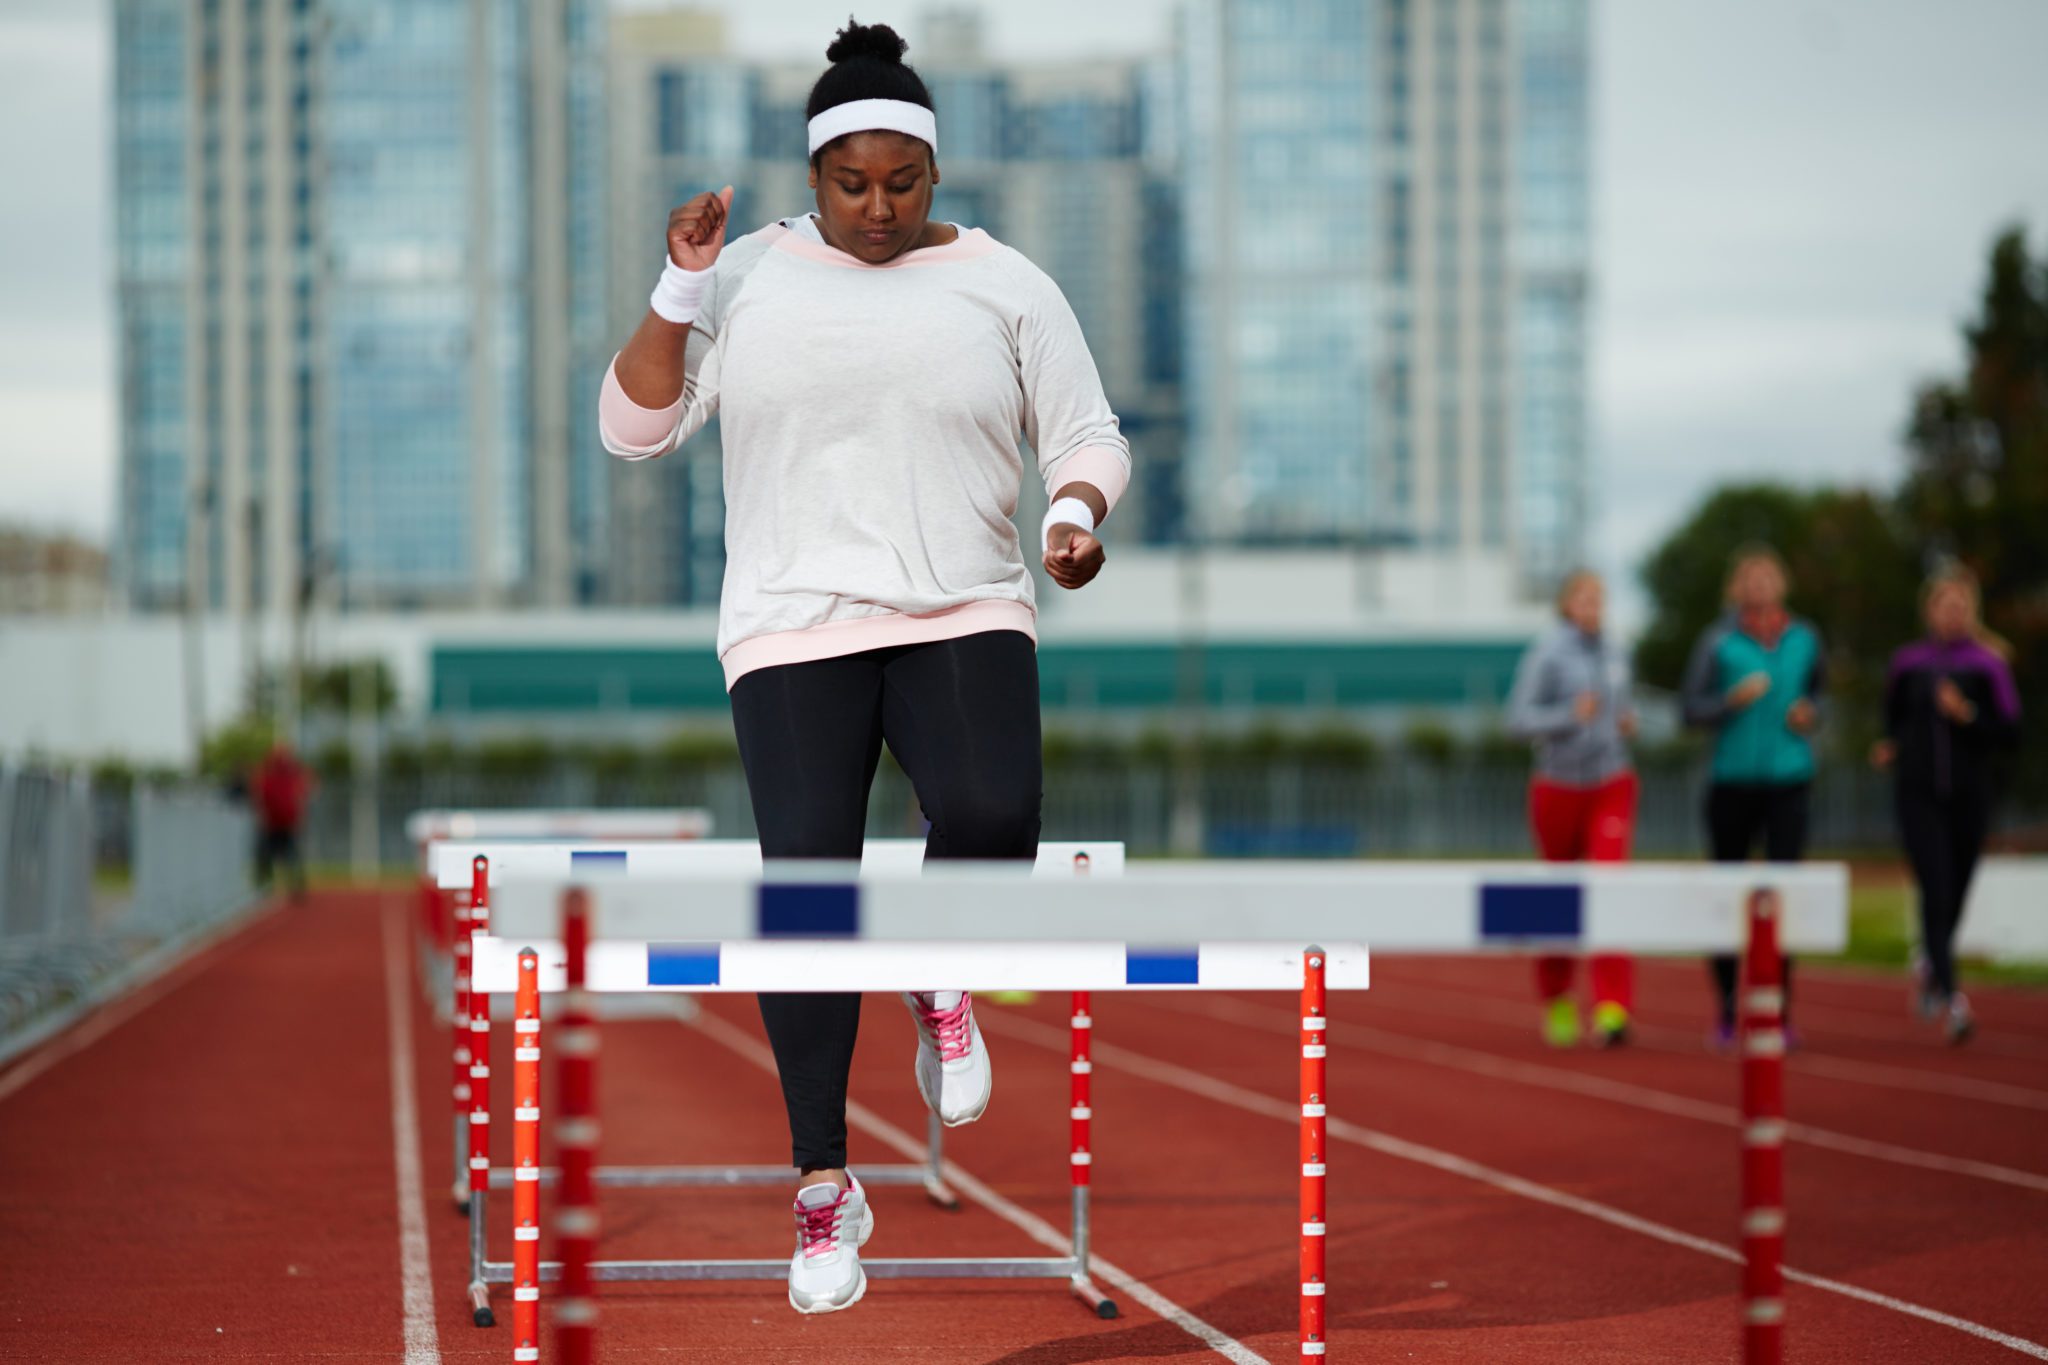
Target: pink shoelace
[[953, 1028], [820, 1226]]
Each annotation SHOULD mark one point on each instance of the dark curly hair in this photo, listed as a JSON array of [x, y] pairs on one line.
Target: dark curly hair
[[867, 64]]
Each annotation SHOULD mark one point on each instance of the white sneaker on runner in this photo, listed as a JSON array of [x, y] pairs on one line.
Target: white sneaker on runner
[[953, 1072], [831, 1227], [1961, 1021]]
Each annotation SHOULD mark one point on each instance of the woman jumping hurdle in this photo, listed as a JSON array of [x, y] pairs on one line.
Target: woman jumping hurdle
[[871, 370]]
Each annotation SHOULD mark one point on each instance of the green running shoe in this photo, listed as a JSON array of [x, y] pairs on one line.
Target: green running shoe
[[1610, 1024], [1561, 1022]]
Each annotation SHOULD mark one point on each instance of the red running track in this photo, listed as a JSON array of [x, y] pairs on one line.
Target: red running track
[[214, 1175]]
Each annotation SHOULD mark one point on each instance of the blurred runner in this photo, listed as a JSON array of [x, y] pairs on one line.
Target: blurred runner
[[280, 788], [1571, 698], [1755, 680], [1950, 708]]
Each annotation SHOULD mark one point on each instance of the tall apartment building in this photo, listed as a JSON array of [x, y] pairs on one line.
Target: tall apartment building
[[1387, 246], [361, 297], [1072, 165]]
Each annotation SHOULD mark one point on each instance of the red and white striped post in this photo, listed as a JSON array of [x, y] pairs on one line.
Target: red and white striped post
[[1314, 1149], [1081, 1112], [479, 1098], [460, 959], [1763, 1136], [526, 1161], [1081, 1159], [576, 1138]]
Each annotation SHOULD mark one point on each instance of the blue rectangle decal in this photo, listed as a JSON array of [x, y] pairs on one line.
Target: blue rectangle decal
[[1162, 967], [682, 964], [1531, 910], [597, 861], [809, 910]]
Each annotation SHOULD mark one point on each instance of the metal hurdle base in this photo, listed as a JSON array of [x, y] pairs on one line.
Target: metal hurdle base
[[1072, 1268], [927, 1174]]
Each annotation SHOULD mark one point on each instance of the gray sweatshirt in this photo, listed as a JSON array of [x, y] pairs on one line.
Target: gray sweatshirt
[[1561, 665]]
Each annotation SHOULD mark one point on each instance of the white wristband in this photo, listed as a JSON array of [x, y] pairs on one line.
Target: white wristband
[[679, 293], [1065, 510]]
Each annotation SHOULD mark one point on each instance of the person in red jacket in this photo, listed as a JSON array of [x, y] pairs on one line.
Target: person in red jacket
[[279, 791]]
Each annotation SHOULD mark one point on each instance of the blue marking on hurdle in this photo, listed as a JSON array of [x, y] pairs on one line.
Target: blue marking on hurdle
[[682, 964], [1162, 967], [1531, 910], [809, 910], [598, 860]]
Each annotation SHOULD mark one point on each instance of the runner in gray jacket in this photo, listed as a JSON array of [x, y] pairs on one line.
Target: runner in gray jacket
[[1571, 698]]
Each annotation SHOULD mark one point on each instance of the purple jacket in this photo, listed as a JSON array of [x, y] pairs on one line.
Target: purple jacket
[[1937, 756]]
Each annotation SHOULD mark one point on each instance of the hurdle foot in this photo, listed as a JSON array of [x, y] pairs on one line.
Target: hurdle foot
[[480, 1306], [941, 1194], [1103, 1305]]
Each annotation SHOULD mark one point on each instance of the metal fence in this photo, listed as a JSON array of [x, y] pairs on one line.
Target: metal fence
[[1398, 809], [66, 945]]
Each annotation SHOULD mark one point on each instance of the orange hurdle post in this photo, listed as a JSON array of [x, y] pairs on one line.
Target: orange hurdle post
[[1763, 1136], [1081, 1160], [1314, 1147], [526, 1161], [576, 1223], [459, 1026], [479, 1099]]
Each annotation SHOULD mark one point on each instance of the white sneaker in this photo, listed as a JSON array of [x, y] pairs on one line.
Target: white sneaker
[[953, 1073], [831, 1227], [1961, 1021]]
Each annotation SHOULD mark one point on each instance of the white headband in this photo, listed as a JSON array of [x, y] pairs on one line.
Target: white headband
[[862, 116]]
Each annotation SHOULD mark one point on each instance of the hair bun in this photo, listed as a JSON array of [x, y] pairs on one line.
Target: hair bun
[[867, 40]]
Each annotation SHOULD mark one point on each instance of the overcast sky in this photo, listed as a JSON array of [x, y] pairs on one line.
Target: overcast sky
[[1792, 203]]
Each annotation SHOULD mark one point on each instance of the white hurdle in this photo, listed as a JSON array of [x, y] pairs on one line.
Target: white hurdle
[[1159, 926], [482, 871], [444, 931]]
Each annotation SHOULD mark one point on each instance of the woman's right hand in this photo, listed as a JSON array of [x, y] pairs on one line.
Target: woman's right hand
[[1746, 692], [696, 231], [1883, 754]]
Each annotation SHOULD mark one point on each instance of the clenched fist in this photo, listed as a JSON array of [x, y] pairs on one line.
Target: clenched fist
[[696, 231]]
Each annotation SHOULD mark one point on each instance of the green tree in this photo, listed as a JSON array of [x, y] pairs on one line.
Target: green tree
[[1977, 479], [1854, 573]]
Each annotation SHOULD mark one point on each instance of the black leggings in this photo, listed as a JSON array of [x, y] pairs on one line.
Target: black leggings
[[1943, 840], [1738, 814], [961, 716]]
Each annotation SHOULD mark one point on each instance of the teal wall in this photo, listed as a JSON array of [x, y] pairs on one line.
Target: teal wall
[[1435, 674]]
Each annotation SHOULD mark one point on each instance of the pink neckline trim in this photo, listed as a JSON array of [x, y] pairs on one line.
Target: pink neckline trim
[[971, 242], [836, 639]]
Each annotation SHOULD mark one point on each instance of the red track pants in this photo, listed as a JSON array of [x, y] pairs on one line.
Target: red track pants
[[1596, 824]]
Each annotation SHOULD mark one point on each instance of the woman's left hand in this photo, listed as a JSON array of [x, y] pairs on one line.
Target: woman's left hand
[[1072, 556]]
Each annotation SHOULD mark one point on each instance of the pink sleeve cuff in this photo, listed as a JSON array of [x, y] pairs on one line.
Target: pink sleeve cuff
[[1109, 470], [629, 430]]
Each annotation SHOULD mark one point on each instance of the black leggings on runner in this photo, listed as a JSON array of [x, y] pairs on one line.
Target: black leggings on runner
[[1738, 815], [1943, 840], [961, 717]]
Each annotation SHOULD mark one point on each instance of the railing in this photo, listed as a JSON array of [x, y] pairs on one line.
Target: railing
[[66, 947], [1397, 809]]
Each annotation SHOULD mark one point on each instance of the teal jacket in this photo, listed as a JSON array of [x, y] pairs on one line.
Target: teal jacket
[[1754, 744]]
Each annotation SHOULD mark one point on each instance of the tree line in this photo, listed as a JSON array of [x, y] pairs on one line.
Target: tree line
[[1974, 488]]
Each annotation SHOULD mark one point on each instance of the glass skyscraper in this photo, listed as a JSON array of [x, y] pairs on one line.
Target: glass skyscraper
[[361, 295], [1385, 214], [1073, 165]]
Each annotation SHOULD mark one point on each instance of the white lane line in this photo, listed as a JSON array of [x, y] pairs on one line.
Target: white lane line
[[422, 1339], [1491, 1009], [1030, 1224], [146, 982], [1487, 1064], [1223, 1092]]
